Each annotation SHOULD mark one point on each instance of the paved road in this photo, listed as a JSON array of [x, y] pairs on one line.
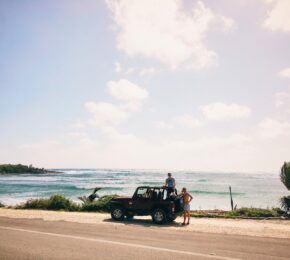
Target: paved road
[[38, 239]]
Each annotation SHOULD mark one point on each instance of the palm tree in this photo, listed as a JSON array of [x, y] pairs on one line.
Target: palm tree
[[285, 178]]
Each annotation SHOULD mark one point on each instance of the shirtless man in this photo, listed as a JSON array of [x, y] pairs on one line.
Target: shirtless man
[[187, 198]]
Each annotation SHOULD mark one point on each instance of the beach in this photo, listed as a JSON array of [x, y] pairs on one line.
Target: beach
[[249, 227]]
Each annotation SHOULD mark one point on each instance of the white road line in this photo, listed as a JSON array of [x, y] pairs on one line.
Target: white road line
[[119, 243]]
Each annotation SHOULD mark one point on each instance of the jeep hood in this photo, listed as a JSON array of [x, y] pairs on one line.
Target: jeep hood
[[122, 199]]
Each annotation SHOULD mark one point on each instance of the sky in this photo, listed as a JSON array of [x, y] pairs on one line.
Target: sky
[[145, 84]]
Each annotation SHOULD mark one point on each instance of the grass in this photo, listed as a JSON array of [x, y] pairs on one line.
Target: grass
[[239, 213], [254, 213], [55, 202], [60, 202]]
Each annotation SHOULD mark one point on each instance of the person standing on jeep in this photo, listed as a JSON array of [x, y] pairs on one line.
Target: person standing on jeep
[[187, 198], [170, 184]]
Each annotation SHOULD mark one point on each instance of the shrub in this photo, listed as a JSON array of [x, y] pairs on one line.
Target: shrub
[[101, 205], [34, 204], [285, 178], [285, 175], [285, 203], [55, 202], [1, 205], [253, 212]]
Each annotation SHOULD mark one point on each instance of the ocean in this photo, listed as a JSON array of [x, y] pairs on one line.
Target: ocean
[[210, 190]]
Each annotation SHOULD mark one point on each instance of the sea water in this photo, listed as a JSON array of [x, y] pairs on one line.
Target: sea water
[[210, 190]]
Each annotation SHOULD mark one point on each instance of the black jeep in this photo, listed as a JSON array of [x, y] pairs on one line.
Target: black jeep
[[159, 202]]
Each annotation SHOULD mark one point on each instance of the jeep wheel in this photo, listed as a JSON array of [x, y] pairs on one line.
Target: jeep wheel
[[159, 216], [117, 213]]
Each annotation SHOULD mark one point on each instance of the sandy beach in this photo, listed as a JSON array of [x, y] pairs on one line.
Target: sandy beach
[[258, 228]]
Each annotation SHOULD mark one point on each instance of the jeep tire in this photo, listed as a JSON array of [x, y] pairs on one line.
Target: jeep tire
[[159, 216], [117, 213]]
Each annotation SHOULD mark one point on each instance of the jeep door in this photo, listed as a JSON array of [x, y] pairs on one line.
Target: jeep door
[[141, 202]]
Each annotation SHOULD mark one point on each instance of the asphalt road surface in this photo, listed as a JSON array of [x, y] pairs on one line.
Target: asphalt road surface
[[38, 239]]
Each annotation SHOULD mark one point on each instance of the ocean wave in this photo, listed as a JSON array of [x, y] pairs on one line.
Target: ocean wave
[[214, 192], [202, 180]]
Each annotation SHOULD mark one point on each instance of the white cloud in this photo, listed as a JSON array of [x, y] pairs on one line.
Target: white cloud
[[129, 71], [106, 113], [220, 111], [118, 66], [163, 125], [270, 128], [278, 18], [79, 125], [148, 71], [166, 32], [125, 90], [285, 73], [282, 98], [187, 121], [110, 148]]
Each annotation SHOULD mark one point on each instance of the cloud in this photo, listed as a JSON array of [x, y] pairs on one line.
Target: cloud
[[163, 125], [128, 94], [166, 32], [188, 121], [271, 128], [118, 66], [126, 91], [278, 18], [285, 73], [282, 98], [106, 113], [220, 111], [148, 71]]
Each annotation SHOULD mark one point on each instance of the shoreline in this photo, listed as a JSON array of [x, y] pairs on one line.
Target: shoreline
[[271, 228]]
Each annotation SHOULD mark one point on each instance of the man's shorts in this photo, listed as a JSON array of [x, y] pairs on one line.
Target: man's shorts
[[186, 207]]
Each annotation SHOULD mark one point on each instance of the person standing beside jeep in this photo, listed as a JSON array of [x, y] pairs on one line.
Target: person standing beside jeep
[[187, 198], [170, 184]]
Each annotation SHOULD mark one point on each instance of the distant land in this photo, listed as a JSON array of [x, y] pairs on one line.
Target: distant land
[[21, 169]]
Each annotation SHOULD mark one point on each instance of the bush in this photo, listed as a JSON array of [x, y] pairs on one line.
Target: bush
[[285, 178], [285, 203], [253, 212], [1, 205], [100, 205], [60, 202], [55, 202], [285, 175]]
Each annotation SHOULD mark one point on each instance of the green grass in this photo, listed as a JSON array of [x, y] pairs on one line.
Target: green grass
[[254, 213], [60, 202], [55, 202], [238, 213]]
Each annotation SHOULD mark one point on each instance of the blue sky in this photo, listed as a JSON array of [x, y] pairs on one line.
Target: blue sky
[[201, 85]]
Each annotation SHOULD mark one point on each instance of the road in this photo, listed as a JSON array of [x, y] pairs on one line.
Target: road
[[38, 239]]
